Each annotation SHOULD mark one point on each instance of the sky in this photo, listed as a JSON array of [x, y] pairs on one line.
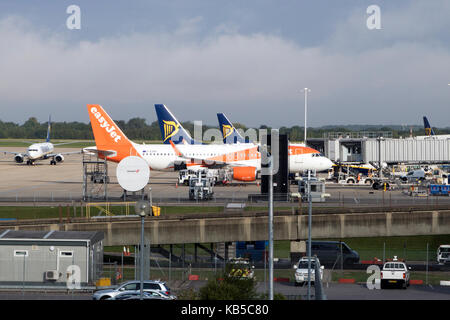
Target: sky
[[247, 59]]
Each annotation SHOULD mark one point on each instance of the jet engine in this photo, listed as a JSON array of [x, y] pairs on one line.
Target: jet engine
[[244, 173], [59, 158], [18, 158]]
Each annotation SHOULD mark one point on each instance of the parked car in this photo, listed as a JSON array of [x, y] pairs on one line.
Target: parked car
[[301, 271], [443, 254], [130, 287], [147, 295], [240, 268], [329, 252]]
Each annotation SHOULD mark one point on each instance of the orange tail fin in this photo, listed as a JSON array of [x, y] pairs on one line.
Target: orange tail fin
[[108, 135]]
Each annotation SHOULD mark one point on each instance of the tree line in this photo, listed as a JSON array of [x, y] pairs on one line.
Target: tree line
[[138, 129]]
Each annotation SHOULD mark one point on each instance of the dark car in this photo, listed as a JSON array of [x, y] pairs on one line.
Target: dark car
[[329, 252]]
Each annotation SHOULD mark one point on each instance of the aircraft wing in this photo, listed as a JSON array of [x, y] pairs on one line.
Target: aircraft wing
[[204, 161], [94, 150], [63, 153], [11, 152], [63, 143]]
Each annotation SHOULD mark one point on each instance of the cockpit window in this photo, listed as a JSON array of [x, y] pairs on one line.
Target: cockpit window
[[317, 154]]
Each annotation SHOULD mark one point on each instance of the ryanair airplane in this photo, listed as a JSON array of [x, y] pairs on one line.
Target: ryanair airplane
[[428, 129], [301, 158], [41, 151]]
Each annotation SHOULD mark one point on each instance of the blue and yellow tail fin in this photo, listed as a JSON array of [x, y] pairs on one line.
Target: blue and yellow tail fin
[[48, 128], [229, 133], [428, 130], [171, 128]]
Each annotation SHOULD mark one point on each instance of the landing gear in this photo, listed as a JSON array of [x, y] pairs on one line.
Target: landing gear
[[29, 162], [53, 162]]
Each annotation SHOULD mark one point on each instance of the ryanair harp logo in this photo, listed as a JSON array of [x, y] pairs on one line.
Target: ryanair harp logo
[[227, 130], [170, 129], [428, 131]]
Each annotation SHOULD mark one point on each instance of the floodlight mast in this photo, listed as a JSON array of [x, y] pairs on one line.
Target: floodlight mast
[[306, 90]]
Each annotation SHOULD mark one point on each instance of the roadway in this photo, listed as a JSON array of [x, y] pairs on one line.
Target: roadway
[[42, 182], [333, 291]]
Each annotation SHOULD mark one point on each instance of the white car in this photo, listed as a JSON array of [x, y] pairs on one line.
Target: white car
[[301, 272], [395, 273], [443, 254]]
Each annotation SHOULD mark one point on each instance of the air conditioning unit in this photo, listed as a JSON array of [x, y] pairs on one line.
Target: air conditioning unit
[[52, 275]]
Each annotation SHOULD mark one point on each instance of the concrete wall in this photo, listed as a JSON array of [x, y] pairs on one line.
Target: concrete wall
[[288, 227]]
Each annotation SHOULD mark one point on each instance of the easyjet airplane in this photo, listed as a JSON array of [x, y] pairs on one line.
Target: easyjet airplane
[[112, 143], [301, 158]]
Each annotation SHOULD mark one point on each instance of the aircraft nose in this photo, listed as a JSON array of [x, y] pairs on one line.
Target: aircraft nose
[[329, 163]]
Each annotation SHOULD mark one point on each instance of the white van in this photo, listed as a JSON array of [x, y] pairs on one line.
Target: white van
[[414, 176]]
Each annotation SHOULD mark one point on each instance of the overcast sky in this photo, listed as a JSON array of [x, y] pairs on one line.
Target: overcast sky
[[250, 61]]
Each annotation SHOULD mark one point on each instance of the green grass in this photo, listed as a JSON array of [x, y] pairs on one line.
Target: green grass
[[36, 212], [40, 212]]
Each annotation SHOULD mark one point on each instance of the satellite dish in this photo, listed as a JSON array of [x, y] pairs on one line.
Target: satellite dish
[[133, 173]]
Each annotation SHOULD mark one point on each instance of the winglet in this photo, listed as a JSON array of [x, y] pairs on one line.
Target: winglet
[[177, 152]]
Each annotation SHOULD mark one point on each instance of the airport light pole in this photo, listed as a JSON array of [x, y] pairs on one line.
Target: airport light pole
[[306, 90], [309, 234], [142, 214], [142, 209], [270, 227]]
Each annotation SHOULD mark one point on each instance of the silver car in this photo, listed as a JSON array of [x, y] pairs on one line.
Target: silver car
[[146, 295], [131, 287]]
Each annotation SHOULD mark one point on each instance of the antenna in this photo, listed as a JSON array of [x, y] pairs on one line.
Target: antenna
[[133, 173]]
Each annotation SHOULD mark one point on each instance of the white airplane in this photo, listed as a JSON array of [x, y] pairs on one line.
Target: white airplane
[[41, 151], [111, 142], [301, 158]]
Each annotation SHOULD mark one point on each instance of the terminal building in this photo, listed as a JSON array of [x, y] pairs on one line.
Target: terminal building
[[368, 147], [46, 258]]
